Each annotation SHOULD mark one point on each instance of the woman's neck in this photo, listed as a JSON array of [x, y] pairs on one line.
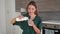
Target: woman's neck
[[32, 16]]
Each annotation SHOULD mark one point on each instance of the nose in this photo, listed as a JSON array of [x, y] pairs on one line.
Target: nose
[[30, 10]]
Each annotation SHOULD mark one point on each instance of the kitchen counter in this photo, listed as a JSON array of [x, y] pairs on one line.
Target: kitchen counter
[[52, 22]]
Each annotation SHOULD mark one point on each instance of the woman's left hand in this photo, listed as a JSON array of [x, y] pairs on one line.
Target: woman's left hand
[[31, 23]]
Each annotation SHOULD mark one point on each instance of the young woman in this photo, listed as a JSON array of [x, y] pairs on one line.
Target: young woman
[[35, 23]]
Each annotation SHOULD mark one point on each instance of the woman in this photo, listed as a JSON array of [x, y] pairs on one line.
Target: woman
[[35, 23]]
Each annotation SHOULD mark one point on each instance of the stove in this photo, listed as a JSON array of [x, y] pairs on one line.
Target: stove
[[51, 24], [51, 27]]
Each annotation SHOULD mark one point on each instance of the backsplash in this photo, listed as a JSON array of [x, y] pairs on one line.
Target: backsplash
[[49, 16], [43, 5]]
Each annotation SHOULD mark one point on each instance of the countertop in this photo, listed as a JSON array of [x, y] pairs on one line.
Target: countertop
[[52, 22]]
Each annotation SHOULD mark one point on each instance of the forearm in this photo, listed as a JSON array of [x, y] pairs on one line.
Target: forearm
[[36, 29], [13, 20]]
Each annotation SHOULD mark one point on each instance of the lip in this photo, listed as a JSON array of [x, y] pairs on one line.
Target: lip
[[30, 12]]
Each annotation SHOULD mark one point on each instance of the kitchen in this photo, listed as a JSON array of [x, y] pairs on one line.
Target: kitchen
[[49, 10]]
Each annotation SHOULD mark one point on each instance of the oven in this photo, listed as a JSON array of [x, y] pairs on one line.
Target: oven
[[50, 28], [51, 31]]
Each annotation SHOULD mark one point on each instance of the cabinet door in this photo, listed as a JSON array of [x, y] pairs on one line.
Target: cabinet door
[[2, 17]]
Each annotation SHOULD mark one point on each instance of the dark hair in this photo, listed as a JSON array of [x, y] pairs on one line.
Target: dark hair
[[34, 4]]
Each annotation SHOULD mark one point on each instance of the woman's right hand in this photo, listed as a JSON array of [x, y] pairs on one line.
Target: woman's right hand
[[14, 19], [20, 16]]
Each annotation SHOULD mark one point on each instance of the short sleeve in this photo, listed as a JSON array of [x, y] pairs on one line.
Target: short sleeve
[[26, 15], [39, 25]]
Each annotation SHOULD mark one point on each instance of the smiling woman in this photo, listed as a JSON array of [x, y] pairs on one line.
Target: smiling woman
[[34, 26]]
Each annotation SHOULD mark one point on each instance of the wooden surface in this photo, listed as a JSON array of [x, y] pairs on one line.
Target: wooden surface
[[43, 5]]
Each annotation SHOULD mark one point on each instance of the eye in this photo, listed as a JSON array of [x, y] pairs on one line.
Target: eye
[[32, 8]]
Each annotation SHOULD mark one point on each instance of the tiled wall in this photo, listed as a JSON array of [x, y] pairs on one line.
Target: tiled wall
[[50, 16], [43, 5]]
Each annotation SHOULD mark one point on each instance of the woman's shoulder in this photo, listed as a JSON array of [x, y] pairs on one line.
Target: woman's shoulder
[[39, 17]]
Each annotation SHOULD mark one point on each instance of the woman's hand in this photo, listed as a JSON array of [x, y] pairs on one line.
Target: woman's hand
[[14, 19], [20, 16], [31, 23]]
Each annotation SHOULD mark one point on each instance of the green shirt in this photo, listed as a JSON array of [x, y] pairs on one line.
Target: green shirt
[[29, 29]]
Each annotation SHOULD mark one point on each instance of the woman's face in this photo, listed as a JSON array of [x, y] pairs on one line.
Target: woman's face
[[31, 9]]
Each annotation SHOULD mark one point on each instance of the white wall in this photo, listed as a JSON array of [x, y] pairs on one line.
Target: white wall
[[2, 17]]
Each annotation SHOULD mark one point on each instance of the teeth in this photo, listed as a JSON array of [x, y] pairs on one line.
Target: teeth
[[22, 19]]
